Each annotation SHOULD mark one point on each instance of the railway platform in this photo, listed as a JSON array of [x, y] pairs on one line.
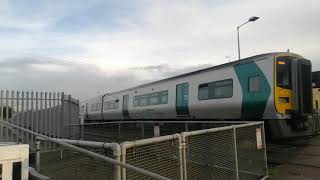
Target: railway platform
[[295, 159]]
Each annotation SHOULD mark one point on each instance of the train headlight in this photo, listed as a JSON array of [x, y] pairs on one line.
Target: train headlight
[[284, 99]]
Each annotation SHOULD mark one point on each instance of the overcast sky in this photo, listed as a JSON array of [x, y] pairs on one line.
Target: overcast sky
[[93, 46]]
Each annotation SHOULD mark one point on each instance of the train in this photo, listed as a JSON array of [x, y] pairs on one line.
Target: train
[[274, 87]]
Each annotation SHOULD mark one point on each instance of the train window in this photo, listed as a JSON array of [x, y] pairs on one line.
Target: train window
[[203, 91], [110, 105], [117, 104], [151, 99], [154, 99], [164, 97], [105, 106], [98, 107], [136, 101], [95, 107], [143, 100], [254, 84], [284, 76], [216, 90], [92, 107]]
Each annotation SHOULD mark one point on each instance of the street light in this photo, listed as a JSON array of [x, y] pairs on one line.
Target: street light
[[253, 18]]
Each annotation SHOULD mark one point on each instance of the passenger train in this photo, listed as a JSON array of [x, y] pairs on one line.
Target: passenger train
[[273, 87]]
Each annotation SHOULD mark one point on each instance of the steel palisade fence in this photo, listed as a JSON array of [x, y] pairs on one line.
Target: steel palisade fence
[[47, 113]]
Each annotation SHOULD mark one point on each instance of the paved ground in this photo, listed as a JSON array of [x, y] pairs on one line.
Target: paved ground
[[298, 159], [74, 166]]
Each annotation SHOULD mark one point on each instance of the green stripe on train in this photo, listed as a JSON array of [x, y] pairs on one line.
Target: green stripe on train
[[254, 102]]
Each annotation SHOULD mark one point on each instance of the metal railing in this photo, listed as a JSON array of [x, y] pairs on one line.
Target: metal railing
[[119, 131], [232, 152], [162, 155], [213, 152], [67, 144], [236, 152]]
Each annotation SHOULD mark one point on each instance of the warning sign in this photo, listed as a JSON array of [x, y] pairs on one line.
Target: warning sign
[[259, 138]]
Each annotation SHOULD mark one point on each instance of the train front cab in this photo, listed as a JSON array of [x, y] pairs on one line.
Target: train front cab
[[293, 95]]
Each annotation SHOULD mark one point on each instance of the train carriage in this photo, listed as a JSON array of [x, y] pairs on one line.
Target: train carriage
[[274, 87]]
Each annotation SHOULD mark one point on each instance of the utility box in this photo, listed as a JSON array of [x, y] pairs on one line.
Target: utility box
[[14, 161]]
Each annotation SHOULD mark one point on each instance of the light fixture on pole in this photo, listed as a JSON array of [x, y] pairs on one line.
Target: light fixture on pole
[[253, 18]]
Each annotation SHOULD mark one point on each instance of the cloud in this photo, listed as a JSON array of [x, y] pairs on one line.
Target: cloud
[[82, 47], [79, 79], [45, 74]]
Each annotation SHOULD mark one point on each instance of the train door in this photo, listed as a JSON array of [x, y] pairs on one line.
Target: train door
[[255, 90], [182, 99], [125, 106]]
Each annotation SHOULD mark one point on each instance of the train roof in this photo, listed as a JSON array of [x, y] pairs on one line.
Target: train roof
[[241, 61]]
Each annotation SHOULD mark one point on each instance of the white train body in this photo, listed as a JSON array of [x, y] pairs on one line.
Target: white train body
[[247, 89]]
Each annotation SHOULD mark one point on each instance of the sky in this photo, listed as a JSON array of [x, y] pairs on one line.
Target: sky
[[89, 47]]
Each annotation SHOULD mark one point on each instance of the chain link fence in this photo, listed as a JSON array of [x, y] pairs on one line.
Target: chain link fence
[[160, 155], [82, 163], [232, 152], [210, 155]]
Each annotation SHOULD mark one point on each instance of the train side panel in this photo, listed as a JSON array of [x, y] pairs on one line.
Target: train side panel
[[219, 108]]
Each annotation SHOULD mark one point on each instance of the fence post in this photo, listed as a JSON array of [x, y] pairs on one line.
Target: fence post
[[1, 114], [37, 163], [61, 121], [82, 131], [265, 149], [117, 156], [180, 156], [317, 123], [184, 155], [69, 119], [235, 152], [119, 129], [142, 129]]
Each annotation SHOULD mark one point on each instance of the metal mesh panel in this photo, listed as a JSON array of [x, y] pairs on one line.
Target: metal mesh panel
[[74, 165], [211, 156], [251, 157], [160, 158]]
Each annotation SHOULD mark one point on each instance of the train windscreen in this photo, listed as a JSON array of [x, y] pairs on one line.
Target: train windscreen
[[284, 72], [305, 84]]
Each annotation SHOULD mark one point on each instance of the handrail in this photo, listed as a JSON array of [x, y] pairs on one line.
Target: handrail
[[84, 151], [173, 122]]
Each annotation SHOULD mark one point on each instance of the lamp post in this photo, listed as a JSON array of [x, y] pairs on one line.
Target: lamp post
[[253, 18]]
